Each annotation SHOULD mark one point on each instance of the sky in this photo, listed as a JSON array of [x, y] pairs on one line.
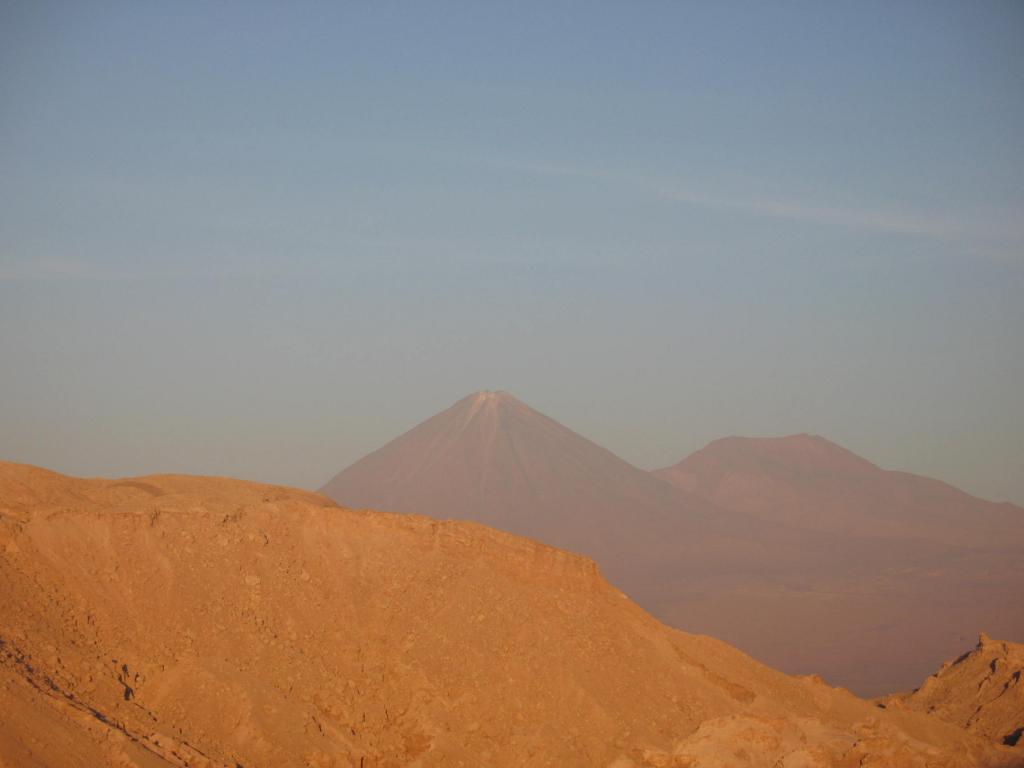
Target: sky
[[260, 240]]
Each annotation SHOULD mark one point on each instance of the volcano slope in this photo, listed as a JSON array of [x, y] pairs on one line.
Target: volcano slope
[[209, 622]]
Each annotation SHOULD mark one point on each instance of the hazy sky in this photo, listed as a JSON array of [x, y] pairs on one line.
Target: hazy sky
[[261, 240]]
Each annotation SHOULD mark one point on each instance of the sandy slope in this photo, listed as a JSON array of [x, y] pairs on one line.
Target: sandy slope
[[210, 622]]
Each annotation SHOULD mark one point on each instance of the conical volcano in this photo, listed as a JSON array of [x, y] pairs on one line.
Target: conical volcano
[[493, 459]]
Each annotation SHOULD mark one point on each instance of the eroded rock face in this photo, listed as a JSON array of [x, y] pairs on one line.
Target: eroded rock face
[[981, 691], [209, 622]]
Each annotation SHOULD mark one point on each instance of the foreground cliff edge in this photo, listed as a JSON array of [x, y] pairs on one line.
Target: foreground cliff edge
[[209, 622]]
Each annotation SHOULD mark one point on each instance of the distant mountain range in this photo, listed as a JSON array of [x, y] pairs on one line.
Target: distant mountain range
[[807, 481], [795, 549]]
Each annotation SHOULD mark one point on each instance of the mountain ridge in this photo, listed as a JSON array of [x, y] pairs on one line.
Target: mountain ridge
[[810, 481]]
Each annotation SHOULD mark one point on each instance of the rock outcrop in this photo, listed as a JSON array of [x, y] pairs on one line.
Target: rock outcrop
[[981, 691]]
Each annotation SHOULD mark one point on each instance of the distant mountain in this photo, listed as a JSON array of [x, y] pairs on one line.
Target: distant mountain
[[943, 564], [181, 621], [809, 482], [872, 599], [492, 459], [981, 691]]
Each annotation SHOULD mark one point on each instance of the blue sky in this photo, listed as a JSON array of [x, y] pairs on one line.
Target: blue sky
[[260, 240]]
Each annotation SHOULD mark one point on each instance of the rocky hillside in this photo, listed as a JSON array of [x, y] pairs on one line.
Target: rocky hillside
[[181, 621], [981, 691]]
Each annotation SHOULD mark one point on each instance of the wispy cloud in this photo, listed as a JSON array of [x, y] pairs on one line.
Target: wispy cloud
[[894, 222], [1004, 232]]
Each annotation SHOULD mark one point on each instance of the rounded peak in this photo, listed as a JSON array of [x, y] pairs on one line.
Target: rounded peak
[[805, 451], [804, 439]]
